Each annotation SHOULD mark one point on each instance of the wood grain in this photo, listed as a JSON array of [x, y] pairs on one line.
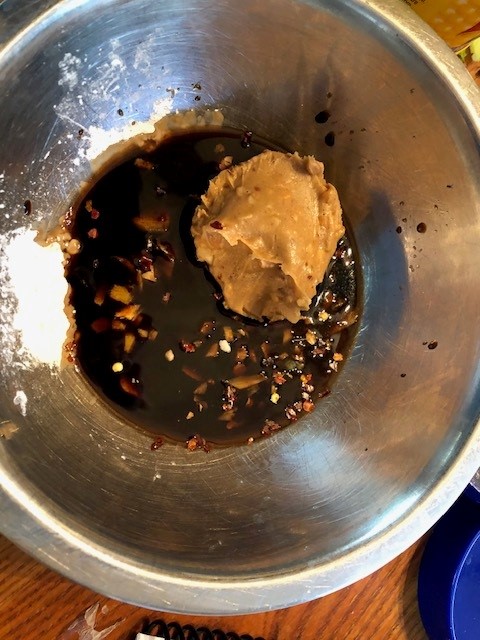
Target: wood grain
[[38, 604]]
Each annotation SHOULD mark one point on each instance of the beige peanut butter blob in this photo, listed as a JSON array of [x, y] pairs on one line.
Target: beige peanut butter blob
[[267, 229]]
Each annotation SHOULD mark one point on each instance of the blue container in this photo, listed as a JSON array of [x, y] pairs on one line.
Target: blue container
[[449, 575]]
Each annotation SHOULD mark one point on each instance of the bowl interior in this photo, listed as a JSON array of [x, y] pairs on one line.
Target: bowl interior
[[83, 484]]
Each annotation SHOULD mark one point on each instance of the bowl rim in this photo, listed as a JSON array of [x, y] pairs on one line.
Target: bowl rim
[[28, 523]]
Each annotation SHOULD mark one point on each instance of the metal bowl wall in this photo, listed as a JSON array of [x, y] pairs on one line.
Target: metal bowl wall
[[333, 497]]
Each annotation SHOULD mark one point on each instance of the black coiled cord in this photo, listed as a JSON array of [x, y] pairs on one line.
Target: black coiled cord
[[175, 631]]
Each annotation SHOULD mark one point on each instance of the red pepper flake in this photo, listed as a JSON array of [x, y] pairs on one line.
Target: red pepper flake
[[93, 234], [207, 327], [229, 398], [328, 299], [101, 324], [144, 263], [192, 443], [270, 427], [246, 139], [156, 444], [197, 442], [291, 414], [308, 406], [68, 218], [216, 224], [131, 386], [166, 251], [187, 347], [94, 214], [70, 349], [279, 378]]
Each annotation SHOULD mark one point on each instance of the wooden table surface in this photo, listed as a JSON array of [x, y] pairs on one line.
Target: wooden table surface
[[38, 604]]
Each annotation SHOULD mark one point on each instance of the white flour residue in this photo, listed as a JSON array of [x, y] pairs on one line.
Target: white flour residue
[[143, 54], [20, 401], [9, 338], [96, 79], [116, 63], [34, 290], [83, 628], [2, 181], [112, 101], [99, 139], [111, 77], [69, 67]]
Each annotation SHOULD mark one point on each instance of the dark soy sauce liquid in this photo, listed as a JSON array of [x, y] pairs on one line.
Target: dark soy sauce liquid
[[183, 298]]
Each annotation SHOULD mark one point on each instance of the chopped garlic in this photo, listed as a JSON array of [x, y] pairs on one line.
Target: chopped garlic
[[224, 346]]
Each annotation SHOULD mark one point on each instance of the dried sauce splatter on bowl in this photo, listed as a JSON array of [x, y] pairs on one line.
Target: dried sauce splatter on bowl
[[153, 336]]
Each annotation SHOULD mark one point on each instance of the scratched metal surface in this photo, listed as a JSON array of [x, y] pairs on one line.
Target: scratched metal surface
[[337, 495]]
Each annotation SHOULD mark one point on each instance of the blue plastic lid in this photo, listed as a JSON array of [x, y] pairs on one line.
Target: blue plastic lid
[[473, 489], [449, 575]]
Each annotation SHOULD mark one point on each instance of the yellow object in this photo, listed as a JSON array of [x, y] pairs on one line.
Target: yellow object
[[456, 21]]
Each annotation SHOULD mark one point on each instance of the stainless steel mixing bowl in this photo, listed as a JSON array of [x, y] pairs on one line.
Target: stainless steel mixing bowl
[[333, 497]]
